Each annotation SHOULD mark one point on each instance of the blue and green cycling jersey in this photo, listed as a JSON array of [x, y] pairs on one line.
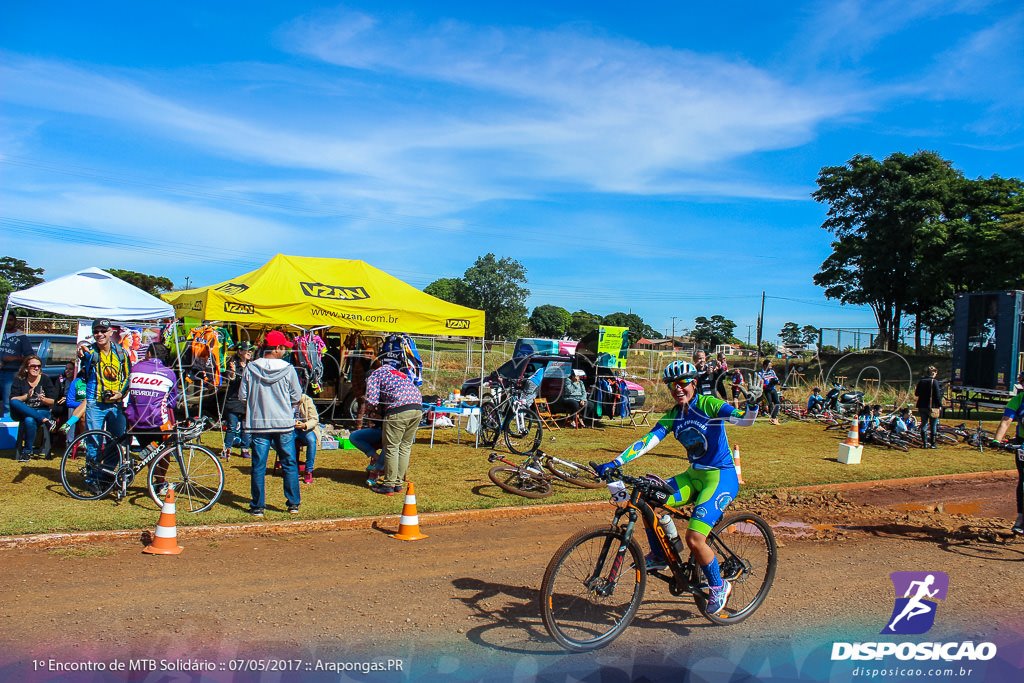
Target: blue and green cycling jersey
[[1015, 410], [706, 414]]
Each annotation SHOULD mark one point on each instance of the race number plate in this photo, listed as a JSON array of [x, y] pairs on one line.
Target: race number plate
[[618, 491]]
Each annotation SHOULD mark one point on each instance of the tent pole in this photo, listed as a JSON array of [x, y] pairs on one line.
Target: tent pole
[[181, 370], [3, 327]]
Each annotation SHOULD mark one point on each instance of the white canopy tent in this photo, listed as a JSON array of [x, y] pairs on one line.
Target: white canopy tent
[[91, 293]]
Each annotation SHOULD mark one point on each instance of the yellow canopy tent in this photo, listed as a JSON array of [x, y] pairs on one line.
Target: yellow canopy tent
[[321, 292]]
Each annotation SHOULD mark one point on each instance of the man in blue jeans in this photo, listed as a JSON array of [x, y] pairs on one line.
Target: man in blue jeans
[[106, 368], [271, 391]]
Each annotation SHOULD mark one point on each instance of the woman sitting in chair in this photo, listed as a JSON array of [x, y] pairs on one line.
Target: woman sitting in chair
[[32, 398]]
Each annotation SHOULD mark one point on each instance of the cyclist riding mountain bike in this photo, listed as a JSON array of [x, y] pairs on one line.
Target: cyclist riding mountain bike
[[1015, 411], [698, 422]]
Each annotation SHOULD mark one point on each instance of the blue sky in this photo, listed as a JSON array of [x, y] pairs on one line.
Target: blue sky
[[655, 157]]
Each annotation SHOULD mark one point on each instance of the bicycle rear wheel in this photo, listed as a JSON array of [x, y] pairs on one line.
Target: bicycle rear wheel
[[592, 588], [198, 479], [521, 483], [89, 464], [523, 431], [490, 424], [747, 557], [785, 410], [948, 439], [574, 473]]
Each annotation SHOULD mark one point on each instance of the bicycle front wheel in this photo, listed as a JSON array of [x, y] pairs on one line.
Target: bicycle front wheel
[[523, 431], [89, 464], [574, 473], [198, 479], [521, 483], [747, 555], [592, 588]]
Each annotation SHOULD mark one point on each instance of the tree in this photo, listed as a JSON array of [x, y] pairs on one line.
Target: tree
[[496, 288], [710, 332], [550, 321], [582, 324], [790, 334], [890, 220], [451, 289], [809, 334], [154, 284], [16, 275]]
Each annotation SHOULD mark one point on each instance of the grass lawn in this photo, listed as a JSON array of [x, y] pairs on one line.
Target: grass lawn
[[453, 476]]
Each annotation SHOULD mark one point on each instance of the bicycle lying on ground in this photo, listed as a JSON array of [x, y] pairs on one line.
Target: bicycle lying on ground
[[528, 480], [508, 411], [97, 463], [594, 584]]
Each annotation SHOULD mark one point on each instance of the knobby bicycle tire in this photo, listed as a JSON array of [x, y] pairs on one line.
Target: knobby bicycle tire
[[573, 472], [523, 431], [583, 607], [948, 439], [88, 478], [197, 487], [490, 424], [526, 484], [747, 556], [785, 410]]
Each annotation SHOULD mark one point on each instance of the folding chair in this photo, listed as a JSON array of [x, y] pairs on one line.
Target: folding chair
[[544, 413], [574, 420], [638, 418]]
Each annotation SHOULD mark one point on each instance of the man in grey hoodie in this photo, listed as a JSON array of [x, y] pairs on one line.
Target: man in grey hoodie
[[270, 389]]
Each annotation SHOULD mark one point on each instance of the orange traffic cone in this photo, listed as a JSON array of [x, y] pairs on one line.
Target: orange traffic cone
[[409, 527], [736, 460], [165, 540], [853, 436]]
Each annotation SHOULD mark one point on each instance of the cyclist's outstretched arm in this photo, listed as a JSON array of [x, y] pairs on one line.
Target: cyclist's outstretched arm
[[646, 443]]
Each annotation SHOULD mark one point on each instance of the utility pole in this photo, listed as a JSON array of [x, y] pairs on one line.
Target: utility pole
[[748, 334], [188, 282], [674, 326]]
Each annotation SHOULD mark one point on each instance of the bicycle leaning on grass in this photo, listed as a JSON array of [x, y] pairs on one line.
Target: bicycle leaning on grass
[[98, 463], [594, 584], [526, 479]]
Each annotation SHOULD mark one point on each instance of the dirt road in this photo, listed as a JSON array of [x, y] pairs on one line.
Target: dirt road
[[461, 605]]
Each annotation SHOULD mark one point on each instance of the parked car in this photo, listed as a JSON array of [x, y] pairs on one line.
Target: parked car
[[556, 368]]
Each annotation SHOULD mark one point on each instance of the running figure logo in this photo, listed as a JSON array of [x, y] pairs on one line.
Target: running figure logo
[[914, 612]]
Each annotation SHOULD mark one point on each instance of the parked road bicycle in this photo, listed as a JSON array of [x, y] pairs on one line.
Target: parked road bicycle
[[527, 479], [509, 411], [194, 470], [594, 584]]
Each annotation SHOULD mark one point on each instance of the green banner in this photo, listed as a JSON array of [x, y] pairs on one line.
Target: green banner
[[613, 341]]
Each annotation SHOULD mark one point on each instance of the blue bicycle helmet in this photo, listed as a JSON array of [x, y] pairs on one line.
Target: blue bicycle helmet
[[677, 370]]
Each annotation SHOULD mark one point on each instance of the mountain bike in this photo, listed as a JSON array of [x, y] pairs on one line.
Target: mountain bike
[[594, 584], [98, 463], [979, 437], [527, 479], [508, 412]]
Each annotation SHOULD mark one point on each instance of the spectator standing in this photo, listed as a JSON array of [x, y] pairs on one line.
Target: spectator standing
[[106, 369], [234, 407], [270, 389], [151, 399], [306, 434], [929, 405], [705, 376], [14, 349], [739, 391], [769, 380], [401, 403], [32, 398]]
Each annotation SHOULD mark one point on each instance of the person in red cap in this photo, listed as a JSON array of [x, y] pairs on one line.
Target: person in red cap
[[270, 389]]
